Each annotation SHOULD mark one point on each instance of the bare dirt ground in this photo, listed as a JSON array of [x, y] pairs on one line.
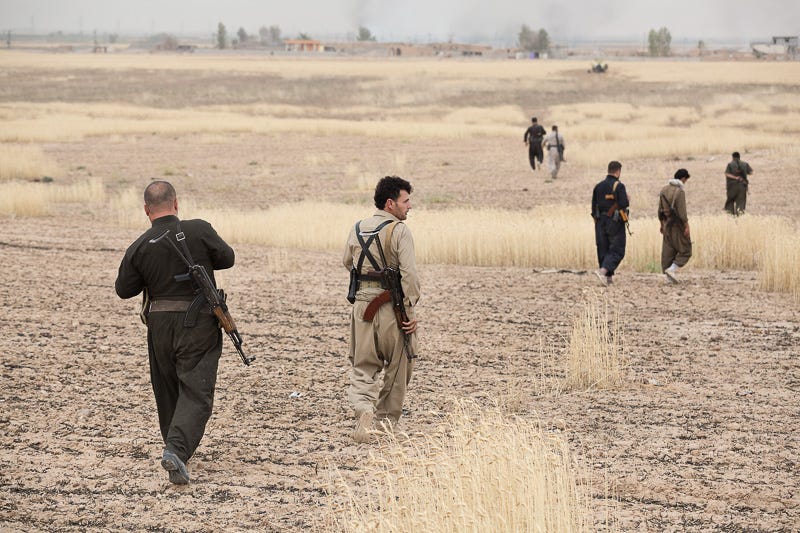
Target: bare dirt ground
[[702, 436]]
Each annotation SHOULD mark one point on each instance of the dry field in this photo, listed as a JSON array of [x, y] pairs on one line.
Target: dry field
[[699, 435]]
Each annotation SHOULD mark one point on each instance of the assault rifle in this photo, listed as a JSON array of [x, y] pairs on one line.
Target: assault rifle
[[389, 278], [743, 172], [199, 275]]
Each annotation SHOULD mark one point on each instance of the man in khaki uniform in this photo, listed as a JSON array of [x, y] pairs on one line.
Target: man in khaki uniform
[[676, 248], [379, 344], [736, 183]]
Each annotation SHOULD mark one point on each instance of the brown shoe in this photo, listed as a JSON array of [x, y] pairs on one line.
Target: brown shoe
[[364, 427]]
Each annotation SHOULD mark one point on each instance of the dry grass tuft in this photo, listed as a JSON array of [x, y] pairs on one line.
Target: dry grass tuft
[[479, 471], [595, 358]]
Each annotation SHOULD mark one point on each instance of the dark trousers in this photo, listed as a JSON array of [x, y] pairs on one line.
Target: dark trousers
[[609, 235], [183, 372], [736, 196], [535, 153]]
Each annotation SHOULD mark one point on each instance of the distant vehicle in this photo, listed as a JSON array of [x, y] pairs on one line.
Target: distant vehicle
[[597, 68]]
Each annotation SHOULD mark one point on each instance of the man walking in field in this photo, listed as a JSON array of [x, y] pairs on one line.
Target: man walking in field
[[184, 347], [676, 247], [555, 151], [736, 183], [610, 213], [533, 139], [378, 339]]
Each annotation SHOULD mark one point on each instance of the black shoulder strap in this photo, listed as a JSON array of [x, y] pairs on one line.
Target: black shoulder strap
[[366, 244], [181, 238]]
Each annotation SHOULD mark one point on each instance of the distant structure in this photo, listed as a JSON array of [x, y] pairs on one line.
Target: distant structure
[[303, 45], [780, 46]]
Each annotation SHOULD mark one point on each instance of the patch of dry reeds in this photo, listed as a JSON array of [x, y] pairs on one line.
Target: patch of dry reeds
[[479, 471], [24, 163], [595, 356], [780, 272], [544, 237], [27, 199]]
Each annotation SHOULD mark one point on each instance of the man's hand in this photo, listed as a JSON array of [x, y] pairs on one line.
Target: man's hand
[[410, 326], [686, 230]]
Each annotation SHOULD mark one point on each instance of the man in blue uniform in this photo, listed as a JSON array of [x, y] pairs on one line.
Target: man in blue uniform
[[610, 212]]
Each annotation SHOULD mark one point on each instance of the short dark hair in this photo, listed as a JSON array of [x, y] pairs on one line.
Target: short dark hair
[[159, 193], [735, 155], [534, 119], [613, 166], [389, 187], [555, 128]]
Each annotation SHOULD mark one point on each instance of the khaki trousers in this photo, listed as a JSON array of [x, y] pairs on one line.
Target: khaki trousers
[[376, 346]]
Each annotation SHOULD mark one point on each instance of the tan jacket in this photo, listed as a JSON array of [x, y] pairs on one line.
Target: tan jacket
[[399, 253]]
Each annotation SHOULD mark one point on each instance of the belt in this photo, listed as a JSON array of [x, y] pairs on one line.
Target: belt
[[369, 284], [174, 306]]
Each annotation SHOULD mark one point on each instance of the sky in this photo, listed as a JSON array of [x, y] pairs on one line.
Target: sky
[[490, 21]]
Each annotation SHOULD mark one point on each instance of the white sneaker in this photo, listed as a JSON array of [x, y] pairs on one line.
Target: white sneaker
[[603, 279], [671, 277]]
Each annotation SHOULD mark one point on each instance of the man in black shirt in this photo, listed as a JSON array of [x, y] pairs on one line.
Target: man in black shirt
[[533, 139], [609, 210], [183, 356]]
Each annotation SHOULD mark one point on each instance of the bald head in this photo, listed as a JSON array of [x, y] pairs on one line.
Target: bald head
[[160, 199]]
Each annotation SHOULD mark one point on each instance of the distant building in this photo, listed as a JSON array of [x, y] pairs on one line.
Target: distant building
[[303, 45], [780, 46]]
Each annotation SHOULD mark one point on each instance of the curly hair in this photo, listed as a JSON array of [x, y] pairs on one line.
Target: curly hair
[[389, 187]]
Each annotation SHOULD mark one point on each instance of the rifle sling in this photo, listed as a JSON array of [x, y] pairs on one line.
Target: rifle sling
[[375, 304], [181, 238]]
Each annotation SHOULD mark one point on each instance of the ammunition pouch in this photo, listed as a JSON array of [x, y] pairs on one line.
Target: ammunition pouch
[[198, 305], [353, 288]]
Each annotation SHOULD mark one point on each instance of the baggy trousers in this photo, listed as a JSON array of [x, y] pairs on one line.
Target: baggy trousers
[[609, 235], [675, 247], [535, 153], [183, 372], [376, 346], [553, 161], [736, 196]]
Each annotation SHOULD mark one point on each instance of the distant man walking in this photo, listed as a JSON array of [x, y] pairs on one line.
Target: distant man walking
[[533, 139], [184, 350], [555, 151], [610, 212], [736, 183], [676, 246], [376, 339]]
